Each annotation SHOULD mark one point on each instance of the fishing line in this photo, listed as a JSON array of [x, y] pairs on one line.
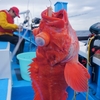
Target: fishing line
[[28, 4], [81, 14], [74, 97], [87, 93], [39, 90], [28, 8], [50, 2], [78, 15]]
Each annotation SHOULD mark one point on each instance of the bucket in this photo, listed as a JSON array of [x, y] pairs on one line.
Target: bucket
[[24, 60]]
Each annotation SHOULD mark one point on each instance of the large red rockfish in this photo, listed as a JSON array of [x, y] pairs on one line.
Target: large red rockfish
[[56, 65]]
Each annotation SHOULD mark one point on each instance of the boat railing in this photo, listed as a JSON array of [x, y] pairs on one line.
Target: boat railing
[[5, 71], [5, 67], [94, 82]]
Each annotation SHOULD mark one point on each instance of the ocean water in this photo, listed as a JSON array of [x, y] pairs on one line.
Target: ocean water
[[82, 33]]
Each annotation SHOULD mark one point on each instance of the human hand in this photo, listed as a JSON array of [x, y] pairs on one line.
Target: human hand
[[20, 28]]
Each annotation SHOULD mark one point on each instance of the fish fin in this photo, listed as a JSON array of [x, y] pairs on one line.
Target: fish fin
[[35, 81], [76, 76], [35, 31]]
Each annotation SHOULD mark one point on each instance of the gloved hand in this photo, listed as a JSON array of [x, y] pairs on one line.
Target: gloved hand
[[20, 28]]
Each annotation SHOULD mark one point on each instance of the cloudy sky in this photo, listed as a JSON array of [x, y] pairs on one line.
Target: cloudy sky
[[82, 13]]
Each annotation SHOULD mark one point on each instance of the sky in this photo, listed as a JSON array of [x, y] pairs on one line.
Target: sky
[[81, 13]]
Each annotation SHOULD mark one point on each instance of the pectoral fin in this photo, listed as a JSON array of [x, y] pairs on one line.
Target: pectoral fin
[[76, 76]]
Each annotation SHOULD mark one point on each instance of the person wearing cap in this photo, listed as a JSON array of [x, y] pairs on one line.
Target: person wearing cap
[[7, 27]]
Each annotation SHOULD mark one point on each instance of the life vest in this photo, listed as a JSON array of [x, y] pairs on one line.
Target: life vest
[[9, 20]]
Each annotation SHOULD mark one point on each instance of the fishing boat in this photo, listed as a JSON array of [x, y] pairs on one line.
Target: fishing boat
[[15, 86]]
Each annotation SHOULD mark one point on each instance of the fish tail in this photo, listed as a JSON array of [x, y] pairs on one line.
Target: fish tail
[[76, 76]]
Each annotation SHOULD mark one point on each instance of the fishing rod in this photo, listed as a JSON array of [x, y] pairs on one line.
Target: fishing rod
[[25, 12], [78, 15]]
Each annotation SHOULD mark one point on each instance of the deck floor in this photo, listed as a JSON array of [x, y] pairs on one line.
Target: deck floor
[[21, 89]]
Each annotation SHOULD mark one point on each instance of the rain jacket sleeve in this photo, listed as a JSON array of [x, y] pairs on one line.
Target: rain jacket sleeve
[[4, 24]]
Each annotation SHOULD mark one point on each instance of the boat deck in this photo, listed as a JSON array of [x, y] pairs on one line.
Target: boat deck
[[20, 88]]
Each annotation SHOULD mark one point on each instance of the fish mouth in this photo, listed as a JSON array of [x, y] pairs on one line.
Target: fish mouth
[[60, 14], [58, 19]]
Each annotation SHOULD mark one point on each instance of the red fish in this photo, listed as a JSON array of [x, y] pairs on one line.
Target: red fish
[[56, 65]]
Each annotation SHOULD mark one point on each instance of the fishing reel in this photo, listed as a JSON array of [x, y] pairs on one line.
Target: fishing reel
[[94, 42], [35, 23], [95, 28]]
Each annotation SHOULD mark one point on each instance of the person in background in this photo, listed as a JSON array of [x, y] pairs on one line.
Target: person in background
[[7, 27]]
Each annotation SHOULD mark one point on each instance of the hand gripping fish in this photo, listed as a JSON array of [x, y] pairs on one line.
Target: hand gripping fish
[[56, 65]]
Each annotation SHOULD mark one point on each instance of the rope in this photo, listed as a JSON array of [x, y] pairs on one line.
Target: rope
[[74, 97], [88, 59], [87, 92]]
